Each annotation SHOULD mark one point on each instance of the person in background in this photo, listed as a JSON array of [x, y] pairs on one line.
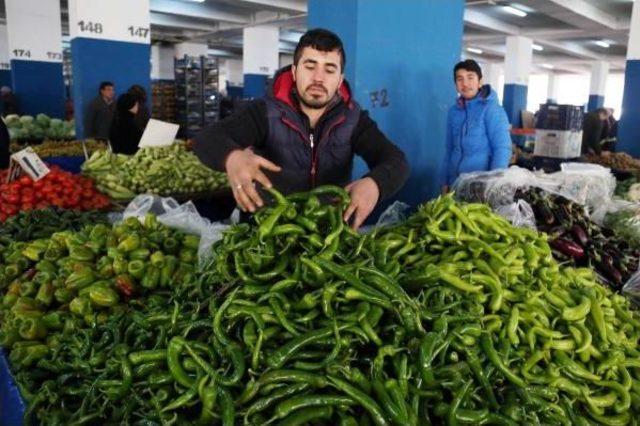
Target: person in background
[[304, 135], [4, 145], [143, 115], [97, 120], [477, 127], [594, 131], [125, 134], [610, 132], [9, 101]]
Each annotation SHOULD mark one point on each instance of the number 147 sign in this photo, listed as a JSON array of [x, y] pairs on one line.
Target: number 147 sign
[[117, 20]]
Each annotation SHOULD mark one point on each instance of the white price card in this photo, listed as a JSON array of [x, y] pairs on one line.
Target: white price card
[[159, 133], [118, 20], [29, 162], [34, 30]]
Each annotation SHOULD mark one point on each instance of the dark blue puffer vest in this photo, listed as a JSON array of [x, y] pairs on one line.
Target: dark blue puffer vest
[[308, 160]]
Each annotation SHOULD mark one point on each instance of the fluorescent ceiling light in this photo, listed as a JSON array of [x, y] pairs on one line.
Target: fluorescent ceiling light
[[512, 10], [537, 47], [197, 1], [547, 66], [474, 50], [602, 43]]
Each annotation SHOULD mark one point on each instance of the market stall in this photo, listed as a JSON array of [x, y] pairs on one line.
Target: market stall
[[450, 316]]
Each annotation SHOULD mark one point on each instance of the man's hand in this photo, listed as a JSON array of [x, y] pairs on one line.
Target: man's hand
[[243, 168], [364, 197]]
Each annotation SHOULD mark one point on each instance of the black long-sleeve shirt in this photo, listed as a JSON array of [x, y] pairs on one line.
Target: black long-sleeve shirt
[[250, 127]]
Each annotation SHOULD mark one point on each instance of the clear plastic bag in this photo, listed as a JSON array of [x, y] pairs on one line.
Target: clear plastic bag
[[395, 213], [632, 288], [587, 184], [519, 213], [496, 187], [184, 217]]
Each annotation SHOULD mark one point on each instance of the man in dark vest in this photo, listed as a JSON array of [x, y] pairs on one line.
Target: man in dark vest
[[305, 134]]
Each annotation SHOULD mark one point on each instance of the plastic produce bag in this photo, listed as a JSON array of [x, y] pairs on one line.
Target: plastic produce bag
[[623, 218], [520, 214], [587, 184], [496, 187], [395, 213], [632, 288], [184, 217]]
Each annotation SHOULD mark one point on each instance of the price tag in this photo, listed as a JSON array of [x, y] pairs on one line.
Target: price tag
[[34, 30], [120, 20], [29, 162], [159, 133]]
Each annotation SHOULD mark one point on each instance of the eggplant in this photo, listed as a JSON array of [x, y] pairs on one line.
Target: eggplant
[[610, 272], [579, 235], [544, 214], [568, 248]]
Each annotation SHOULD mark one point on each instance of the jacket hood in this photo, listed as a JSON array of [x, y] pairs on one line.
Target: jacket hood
[[284, 88], [485, 94]]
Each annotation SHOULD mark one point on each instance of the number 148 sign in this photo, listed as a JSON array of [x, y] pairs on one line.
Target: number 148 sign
[[99, 19]]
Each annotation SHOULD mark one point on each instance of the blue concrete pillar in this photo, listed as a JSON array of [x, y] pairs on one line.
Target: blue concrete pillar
[[35, 50], [260, 58], [629, 127], [111, 52], [516, 77], [400, 59], [599, 74]]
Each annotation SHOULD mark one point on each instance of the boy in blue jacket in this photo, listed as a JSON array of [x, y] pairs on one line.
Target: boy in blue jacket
[[477, 127]]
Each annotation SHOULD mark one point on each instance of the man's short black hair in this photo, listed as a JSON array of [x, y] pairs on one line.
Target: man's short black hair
[[468, 65], [322, 40], [602, 110], [105, 84]]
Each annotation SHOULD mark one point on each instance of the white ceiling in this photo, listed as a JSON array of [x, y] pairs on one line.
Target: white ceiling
[[566, 29]]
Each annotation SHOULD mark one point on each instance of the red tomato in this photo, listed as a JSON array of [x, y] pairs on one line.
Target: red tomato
[[25, 180]]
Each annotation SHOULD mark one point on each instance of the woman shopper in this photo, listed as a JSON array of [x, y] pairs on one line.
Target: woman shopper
[[143, 115], [477, 127], [125, 134]]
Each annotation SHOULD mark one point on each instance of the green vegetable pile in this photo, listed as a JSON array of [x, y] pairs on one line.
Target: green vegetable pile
[[54, 148], [81, 277], [452, 316], [162, 170], [37, 224], [42, 127]]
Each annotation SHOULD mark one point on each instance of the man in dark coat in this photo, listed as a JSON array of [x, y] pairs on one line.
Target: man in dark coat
[[306, 134], [99, 114], [592, 131]]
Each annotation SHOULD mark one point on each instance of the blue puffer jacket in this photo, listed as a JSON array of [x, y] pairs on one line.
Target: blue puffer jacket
[[477, 136]]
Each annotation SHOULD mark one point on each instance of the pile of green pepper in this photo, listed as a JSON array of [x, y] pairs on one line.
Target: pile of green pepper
[[36, 224], [452, 316], [84, 275]]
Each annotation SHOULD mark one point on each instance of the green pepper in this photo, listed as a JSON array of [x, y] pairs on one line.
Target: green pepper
[[80, 279], [80, 306], [63, 295], [45, 294], [151, 278], [25, 355], [136, 269], [102, 296], [32, 329], [130, 243]]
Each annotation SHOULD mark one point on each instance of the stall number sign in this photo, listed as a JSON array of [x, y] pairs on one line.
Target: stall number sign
[[29, 162], [34, 30], [120, 20]]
